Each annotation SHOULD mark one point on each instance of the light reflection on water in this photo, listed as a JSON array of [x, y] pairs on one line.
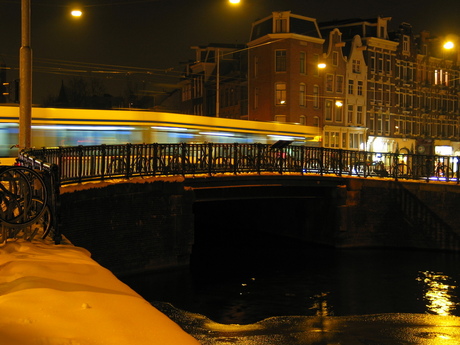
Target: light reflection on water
[[278, 277], [439, 293]]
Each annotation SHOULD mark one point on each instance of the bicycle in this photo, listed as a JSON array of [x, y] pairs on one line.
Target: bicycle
[[427, 169], [119, 167], [23, 202], [367, 168]]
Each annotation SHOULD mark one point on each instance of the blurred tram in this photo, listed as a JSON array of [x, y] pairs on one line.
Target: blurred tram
[[53, 127]]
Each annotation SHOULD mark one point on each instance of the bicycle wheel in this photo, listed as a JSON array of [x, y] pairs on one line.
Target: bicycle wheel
[[117, 167], [443, 171], [141, 167], [362, 169], [24, 199], [402, 170]]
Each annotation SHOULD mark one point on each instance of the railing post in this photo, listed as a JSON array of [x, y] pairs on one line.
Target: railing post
[[80, 163], [235, 158], [209, 158], [183, 157], [395, 165], [128, 160], [258, 157], [458, 167], [55, 202], [321, 168], [155, 159], [103, 158]]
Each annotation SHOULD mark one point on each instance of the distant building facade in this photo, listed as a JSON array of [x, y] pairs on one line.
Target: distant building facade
[[379, 91]]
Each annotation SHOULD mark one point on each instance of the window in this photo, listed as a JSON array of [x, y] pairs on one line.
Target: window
[[350, 111], [280, 60], [328, 111], [351, 86], [280, 93], [316, 96], [360, 88], [329, 82], [359, 115], [303, 63], [302, 95], [339, 83], [302, 120], [380, 63], [335, 58], [281, 25], [372, 123], [356, 66], [372, 62], [256, 98], [388, 64], [280, 118], [406, 44], [338, 110]]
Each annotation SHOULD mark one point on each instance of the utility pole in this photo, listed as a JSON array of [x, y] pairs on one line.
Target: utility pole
[[25, 78]]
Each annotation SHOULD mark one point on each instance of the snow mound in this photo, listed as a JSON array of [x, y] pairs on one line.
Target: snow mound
[[57, 295]]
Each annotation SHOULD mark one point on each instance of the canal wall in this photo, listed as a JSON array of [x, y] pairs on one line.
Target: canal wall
[[132, 226], [149, 224], [398, 214]]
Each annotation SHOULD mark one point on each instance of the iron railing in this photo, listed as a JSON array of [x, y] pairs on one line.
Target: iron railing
[[85, 163]]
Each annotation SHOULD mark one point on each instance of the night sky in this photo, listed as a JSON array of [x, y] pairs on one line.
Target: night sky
[[155, 36]]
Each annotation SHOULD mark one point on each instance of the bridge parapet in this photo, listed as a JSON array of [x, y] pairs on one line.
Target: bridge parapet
[[103, 162]]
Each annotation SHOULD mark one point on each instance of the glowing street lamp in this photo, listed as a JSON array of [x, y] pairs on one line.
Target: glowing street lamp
[[234, 1], [76, 13], [448, 45]]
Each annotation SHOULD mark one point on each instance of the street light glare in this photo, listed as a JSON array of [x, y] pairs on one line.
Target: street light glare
[[448, 45], [76, 13], [234, 1]]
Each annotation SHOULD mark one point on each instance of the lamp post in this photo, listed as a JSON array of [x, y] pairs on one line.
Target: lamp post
[[217, 82], [25, 78]]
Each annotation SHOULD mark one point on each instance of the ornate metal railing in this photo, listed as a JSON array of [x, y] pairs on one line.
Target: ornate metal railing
[[85, 163]]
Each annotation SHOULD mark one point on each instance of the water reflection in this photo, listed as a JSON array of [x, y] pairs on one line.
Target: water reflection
[[439, 293]]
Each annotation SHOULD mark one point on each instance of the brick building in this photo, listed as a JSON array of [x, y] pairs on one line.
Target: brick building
[[379, 91]]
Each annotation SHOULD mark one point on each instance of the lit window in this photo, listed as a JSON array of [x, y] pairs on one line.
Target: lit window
[[280, 93]]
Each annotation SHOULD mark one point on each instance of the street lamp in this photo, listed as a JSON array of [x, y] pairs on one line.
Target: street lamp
[[25, 78], [76, 13], [448, 45]]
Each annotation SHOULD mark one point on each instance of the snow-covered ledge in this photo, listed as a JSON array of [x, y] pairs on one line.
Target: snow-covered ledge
[[56, 294]]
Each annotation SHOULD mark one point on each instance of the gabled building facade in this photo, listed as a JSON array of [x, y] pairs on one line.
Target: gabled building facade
[[215, 83], [284, 81], [380, 91]]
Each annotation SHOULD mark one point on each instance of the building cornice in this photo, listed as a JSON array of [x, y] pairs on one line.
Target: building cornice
[[381, 43], [284, 36]]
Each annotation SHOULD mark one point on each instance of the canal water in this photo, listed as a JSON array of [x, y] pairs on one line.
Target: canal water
[[253, 276]]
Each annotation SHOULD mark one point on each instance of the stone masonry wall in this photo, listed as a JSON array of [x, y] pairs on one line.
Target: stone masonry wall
[[131, 227]]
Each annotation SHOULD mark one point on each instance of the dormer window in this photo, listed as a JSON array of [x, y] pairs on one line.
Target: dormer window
[[406, 44], [281, 25]]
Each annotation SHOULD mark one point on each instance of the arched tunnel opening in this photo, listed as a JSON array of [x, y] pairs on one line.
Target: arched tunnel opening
[[242, 233]]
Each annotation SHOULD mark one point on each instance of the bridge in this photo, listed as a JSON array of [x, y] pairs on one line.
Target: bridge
[[344, 198]]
